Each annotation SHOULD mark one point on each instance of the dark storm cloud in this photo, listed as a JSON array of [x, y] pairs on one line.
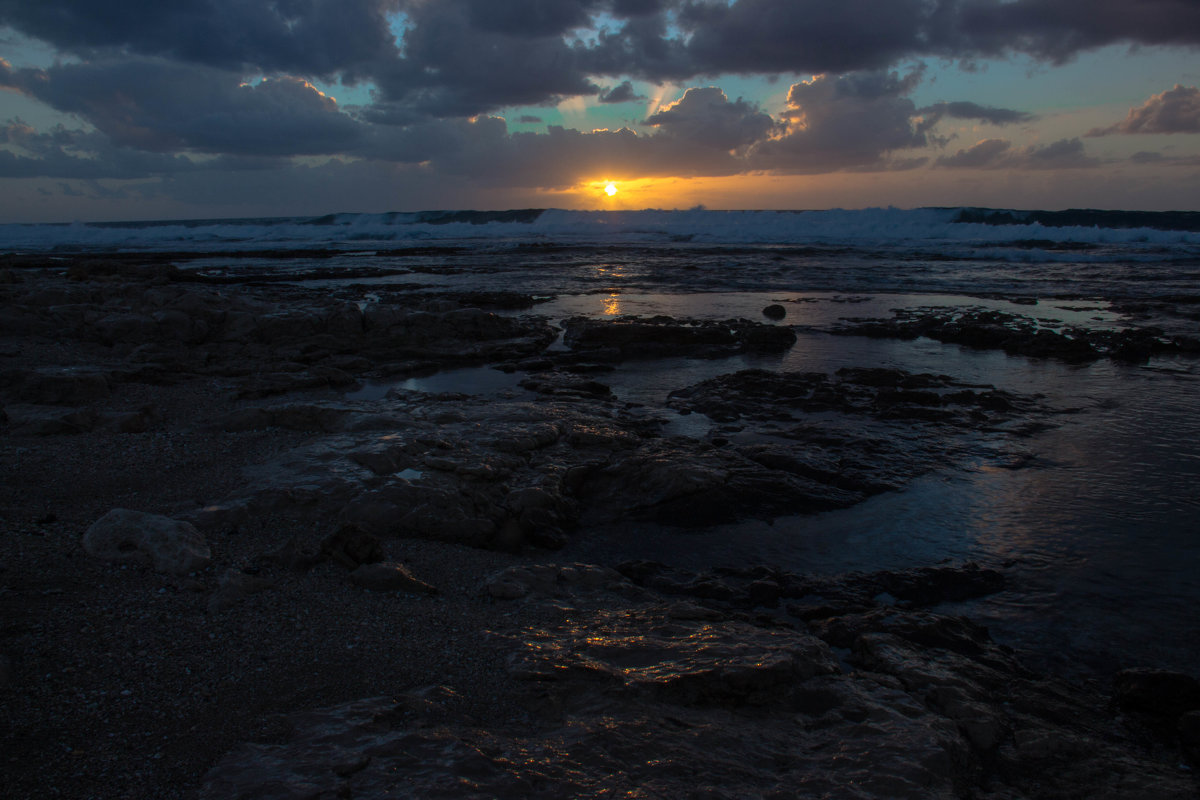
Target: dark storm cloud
[[968, 110], [707, 117], [621, 93], [312, 37], [644, 48], [984, 154], [1147, 157], [161, 106], [639, 8], [488, 154], [452, 67], [804, 35], [1056, 30], [1000, 154], [63, 153], [1174, 111], [813, 36], [531, 17], [466, 57], [843, 122], [184, 77]]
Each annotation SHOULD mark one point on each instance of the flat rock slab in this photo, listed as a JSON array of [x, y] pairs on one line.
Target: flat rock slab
[[166, 544]]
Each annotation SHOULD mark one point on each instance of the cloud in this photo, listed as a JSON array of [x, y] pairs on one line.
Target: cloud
[[968, 110], [167, 90], [310, 37], [454, 67], [1000, 154], [1176, 110], [1057, 30], [468, 57], [984, 154], [706, 117], [531, 18], [804, 35], [621, 93], [560, 157], [815, 36], [163, 106], [1147, 157], [63, 153], [842, 122]]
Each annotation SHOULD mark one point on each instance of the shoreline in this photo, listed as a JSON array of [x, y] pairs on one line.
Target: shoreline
[[224, 406]]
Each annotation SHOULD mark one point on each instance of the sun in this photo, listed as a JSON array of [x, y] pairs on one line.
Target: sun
[[610, 189]]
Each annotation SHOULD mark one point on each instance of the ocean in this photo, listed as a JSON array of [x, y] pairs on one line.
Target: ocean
[[1098, 527]]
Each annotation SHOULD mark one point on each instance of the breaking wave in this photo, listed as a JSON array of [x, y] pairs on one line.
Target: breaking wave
[[988, 234]]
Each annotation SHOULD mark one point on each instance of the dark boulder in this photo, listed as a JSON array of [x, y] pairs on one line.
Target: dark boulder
[[774, 311]]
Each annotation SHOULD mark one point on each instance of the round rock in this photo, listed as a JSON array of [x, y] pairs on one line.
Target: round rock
[[166, 544], [774, 311]]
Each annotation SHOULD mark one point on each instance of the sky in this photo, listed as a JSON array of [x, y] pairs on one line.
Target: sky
[[147, 109]]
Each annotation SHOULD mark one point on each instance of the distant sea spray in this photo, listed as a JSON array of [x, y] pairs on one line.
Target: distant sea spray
[[1140, 235]]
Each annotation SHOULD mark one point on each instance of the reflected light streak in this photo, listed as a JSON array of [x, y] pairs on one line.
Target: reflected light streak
[[612, 304]]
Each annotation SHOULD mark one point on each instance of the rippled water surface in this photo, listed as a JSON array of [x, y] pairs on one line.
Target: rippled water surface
[[1096, 526]]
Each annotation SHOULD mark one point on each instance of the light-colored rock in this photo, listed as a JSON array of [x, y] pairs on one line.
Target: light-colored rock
[[166, 544]]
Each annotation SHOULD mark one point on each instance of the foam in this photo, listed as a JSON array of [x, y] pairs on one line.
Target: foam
[[925, 229]]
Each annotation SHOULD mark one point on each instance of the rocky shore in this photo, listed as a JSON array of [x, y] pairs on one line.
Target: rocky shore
[[229, 572]]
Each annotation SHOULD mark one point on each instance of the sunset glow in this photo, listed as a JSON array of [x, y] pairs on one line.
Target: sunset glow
[[451, 106]]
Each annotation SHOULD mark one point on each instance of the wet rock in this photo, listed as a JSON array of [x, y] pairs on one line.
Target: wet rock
[[63, 386], [774, 311], [419, 511], [924, 586], [138, 421], [552, 580], [526, 438], [856, 602], [681, 661], [291, 555], [953, 634], [133, 536], [685, 483], [1189, 735], [352, 547], [624, 690], [566, 385], [596, 434], [459, 334], [327, 747], [53, 422], [1017, 335], [124, 327], [658, 337], [1157, 693], [389, 576]]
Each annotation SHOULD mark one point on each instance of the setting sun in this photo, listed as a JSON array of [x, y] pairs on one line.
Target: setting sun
[[610, 189]]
